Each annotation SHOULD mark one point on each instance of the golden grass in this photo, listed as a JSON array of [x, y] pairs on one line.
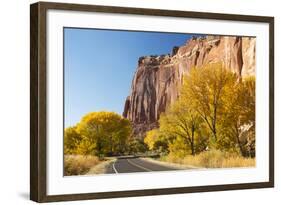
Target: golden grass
[[102, 167], [79, 164], [212, 159]]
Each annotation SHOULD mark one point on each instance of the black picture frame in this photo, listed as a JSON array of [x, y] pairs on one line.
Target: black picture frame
[[38, 102]]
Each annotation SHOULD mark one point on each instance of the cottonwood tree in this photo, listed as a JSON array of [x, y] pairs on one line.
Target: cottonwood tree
[[156, 141], [103, 133], [72, 140], [181, 122], [239, 121], [205, 90]]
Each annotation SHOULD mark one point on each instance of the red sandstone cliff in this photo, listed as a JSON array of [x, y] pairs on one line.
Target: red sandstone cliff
[[157, 78]]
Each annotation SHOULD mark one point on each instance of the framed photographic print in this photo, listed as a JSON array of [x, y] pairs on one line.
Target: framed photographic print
[[134, 102]]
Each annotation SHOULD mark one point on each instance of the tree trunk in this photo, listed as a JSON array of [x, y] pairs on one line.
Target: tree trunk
[[192, 141], [239, 142]]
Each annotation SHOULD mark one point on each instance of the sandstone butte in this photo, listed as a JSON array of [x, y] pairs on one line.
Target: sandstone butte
[[157, 79]]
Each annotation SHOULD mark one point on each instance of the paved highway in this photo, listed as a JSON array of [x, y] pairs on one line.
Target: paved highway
[[129, 165]]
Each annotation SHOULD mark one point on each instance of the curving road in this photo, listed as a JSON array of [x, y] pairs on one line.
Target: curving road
[[128, 165]]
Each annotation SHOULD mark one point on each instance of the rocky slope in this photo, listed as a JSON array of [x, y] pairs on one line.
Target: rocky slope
[[157, 78]]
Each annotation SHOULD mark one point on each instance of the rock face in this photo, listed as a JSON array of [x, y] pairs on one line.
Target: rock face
[[157, 78]]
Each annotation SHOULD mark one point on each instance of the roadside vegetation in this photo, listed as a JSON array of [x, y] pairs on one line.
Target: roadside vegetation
[[79, 164], [211, 159], [99, 134], [96, 136], [212, 124]]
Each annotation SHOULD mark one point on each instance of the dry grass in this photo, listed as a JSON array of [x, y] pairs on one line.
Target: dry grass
[[239, 162], [79, 164], [213, 159], [102, 167]]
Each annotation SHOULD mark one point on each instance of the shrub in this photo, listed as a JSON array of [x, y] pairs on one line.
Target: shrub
[[212, 159], [79, 164]]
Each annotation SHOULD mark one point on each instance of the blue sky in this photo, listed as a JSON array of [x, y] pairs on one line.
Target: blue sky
[[100, 64]]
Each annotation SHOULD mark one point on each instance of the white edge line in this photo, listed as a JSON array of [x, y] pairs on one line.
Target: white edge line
[[115, 170], [134, 164]]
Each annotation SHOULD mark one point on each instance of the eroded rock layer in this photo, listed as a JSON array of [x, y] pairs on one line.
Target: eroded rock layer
[[157, 79]]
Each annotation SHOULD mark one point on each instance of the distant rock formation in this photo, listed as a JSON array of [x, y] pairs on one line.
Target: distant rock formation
[[157, 79]]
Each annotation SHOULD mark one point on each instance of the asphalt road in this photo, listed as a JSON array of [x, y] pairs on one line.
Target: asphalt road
[[129, 165]]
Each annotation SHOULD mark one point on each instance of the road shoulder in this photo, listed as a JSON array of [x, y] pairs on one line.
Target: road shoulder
[[102, 167], [169, 164]]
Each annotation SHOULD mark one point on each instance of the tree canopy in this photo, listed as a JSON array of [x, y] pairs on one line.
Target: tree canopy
[[215, 110], [99, 133]]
